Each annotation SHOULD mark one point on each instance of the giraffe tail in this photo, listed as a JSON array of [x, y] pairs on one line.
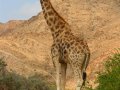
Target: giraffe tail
[[85, 64], [84, 75]]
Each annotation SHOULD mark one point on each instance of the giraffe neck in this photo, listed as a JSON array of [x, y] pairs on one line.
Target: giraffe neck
[[56, 23]]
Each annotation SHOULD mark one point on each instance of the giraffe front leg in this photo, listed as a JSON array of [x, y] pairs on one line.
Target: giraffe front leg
[[60, 69], [79, 80], [63, 75], [55, 59], [60, 74]]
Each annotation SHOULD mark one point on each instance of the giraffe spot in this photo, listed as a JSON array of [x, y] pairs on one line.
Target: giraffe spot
[[65, 51], [68, 45], [79, 47], [63, 44], [61, 22], [57, 26], [53, 34], [76, 44], [78, 52], [50, 13], [82, 42], [64, 47], [57, 41], [62, 26], [43, 11], [67, 33], [60, 31], [52, 29], [69, 50], [82, 50], [57, 34], [48, 23], [72, 47], [47, 7], [45, 4], [83, 46], [55, 20], [45, 0], [51, 19], [71, 42], [45, 15]]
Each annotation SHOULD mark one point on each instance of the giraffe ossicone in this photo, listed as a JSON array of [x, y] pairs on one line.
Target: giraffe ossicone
[[66, 48]]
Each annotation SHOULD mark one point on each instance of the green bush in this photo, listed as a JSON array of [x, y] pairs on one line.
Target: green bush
[[37, 83], [13, 81], [110, 79]]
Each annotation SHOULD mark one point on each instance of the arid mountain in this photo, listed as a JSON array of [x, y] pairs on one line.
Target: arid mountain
[[26, 49], [10, 25]]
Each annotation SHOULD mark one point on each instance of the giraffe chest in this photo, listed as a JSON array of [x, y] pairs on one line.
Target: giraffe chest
[[63, 52]]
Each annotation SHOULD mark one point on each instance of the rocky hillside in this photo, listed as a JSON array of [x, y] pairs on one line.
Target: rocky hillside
[[10, 25], [26, 49]]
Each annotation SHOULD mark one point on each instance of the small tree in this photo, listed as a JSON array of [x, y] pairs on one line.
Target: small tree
[[110, 79], [13, 81]]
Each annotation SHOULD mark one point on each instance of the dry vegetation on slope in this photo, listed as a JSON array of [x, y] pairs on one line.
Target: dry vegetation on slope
[[27, 47]]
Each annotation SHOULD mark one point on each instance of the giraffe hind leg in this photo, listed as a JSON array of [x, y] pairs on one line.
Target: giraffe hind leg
[[78, 76], [61, 76]]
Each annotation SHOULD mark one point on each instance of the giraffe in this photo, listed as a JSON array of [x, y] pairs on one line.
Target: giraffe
[[66, 48]]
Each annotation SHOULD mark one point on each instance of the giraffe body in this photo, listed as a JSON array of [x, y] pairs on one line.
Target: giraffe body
[[66, 48]]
